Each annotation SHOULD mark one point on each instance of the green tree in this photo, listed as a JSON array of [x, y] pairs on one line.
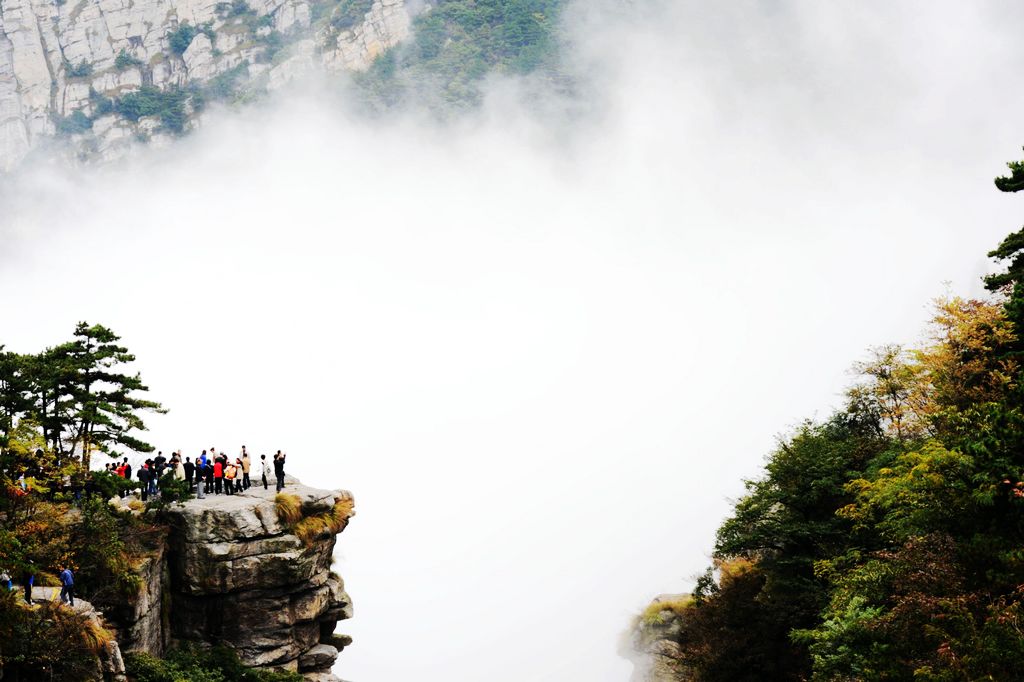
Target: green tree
[[14, 393], [1011, 250], [107, 408]]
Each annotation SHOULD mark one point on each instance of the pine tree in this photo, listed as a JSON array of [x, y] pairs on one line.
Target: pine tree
[[106, 409], [1011, 249]]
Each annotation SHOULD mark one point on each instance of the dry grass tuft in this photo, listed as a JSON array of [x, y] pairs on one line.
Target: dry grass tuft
[[96, 637], [311, 529], [325, 525], [656, 611], [289, 508], [76, 629]]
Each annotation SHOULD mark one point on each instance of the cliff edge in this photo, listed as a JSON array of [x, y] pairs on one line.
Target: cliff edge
[[248, 572], [652, 642]]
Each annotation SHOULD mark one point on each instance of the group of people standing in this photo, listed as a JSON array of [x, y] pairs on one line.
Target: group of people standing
[[211, 472]]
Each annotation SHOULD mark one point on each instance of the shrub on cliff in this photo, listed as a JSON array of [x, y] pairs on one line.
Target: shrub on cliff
[[314, 527], [107, 545], [172, 489], [193, 664], [458, 42], [322, 526], [180, 38], [169, 105], [126, 61], [109, 485], [289, 508], [47, 642]]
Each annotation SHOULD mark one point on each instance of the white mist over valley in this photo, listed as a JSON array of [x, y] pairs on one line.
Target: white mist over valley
[[544, 341]]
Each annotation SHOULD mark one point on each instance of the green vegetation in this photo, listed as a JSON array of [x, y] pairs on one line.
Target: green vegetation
[[885, 543], [73, 399], [82, 69], [226, 86], [126, 61], [235, 8], [74, 124], [169, 105], [57, 408], [217, 664], [342, 15], [101, 106], [48, 642], [456, 44], [180, 38], [172, 490], [274, 42]]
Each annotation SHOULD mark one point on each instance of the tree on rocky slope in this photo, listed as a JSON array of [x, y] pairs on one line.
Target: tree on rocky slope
[[885, 544], [78, 395]]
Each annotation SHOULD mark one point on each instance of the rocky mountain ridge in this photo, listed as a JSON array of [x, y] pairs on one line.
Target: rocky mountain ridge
[[99, 75]]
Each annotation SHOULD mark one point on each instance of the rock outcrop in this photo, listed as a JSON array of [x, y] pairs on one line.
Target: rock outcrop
[[109, 663], [100, 75], [234, 573], [652, 643]]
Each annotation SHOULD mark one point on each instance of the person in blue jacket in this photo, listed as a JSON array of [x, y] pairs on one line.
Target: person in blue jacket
[[67, 590]]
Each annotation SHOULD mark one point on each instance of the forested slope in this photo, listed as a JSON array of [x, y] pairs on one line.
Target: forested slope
[[887, 541]]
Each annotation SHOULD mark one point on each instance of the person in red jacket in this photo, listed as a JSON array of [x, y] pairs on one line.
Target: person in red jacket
[[218, 476]]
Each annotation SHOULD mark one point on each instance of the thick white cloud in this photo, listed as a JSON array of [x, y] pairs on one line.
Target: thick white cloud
[[542, 349]]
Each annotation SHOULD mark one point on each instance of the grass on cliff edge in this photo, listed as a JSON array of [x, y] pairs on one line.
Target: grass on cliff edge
[[654, 614], [315, 527], [323, 526], [289, 508], [47, 641]]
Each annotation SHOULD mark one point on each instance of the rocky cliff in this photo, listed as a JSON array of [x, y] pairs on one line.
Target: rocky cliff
[[98, 75], [652, 642], [233, 572]]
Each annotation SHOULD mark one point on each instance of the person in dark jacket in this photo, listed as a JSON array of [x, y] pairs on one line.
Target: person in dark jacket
[[190, 470], [279, 470], [144, 478], [127, 469], [209, 475], [28, 579]]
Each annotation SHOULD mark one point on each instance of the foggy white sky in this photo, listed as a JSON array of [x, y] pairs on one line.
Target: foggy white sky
[[542, 353]]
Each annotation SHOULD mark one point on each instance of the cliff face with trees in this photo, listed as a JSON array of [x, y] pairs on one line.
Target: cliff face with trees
[[93, 78], [884, 543], [224, 589]]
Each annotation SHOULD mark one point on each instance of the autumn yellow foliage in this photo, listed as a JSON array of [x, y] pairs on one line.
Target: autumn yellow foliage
[[289, 508]]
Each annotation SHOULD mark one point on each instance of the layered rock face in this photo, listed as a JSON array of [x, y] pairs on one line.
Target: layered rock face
[[239, 577], [69, 68], [234, 574]]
